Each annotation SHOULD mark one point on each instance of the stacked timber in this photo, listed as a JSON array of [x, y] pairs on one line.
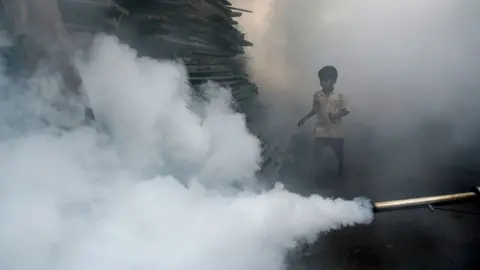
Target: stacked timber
[[201, 33], [91, 16]]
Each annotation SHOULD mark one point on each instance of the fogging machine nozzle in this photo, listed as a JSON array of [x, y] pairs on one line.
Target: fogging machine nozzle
[[441, 200]]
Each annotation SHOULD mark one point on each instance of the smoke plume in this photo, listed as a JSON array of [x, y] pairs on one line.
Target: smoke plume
[[408, 68], [146, 187]]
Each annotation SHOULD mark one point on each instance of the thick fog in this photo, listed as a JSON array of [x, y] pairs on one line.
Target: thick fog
[[409, 68], [148, 186]]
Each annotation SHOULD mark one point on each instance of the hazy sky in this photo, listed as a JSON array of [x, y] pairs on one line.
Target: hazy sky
[[399, 61]]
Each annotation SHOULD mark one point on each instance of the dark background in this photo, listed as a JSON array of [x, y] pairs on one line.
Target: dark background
[[405, 239], [410, 70]]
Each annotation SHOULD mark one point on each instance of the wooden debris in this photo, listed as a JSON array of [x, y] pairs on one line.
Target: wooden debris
[[202, 33]]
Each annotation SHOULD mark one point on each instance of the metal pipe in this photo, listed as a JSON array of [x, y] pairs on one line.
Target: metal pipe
[[447, 199]]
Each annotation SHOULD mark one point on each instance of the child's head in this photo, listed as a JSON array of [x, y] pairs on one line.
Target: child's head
[[328, 77]]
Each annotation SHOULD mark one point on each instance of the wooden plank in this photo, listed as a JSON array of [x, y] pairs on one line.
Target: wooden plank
[[240, 9]]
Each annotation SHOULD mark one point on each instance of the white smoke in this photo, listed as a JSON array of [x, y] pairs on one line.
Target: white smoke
[[144, 190]]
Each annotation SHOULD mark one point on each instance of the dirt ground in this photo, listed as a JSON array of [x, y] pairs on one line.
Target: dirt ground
[[389, 169]]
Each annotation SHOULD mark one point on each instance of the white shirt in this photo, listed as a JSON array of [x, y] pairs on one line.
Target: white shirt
[[323, 106]]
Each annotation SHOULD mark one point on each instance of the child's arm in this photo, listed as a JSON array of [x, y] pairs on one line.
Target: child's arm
[[313, 111], [304, 119]]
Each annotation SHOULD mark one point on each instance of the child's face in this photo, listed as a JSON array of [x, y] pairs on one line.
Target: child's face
[[327, 84]]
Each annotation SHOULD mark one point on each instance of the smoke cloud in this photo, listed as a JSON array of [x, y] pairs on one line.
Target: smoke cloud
[[408, 68], [147, 187]]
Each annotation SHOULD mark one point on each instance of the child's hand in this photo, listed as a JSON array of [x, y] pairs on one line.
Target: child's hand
[[301, 122]]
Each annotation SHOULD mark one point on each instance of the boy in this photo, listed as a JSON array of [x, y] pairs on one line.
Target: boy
[[329, 107]]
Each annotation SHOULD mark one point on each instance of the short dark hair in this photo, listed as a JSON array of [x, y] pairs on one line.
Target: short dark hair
[[327, 73]]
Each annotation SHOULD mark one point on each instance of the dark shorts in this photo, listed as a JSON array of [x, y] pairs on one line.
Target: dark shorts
[[336, 144]]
